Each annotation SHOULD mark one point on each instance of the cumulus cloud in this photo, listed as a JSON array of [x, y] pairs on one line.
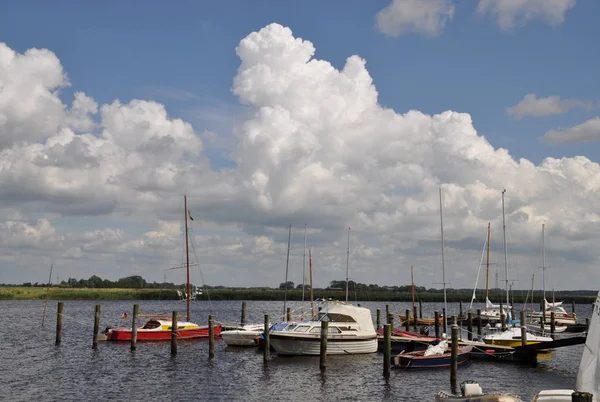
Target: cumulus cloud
[[585, 132], [533, 106], [425, 17], [516, 13], [317, 147]]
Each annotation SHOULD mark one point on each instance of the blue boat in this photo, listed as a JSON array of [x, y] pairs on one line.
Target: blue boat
[[419, 360]]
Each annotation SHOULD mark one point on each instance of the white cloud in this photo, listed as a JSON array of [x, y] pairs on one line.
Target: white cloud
[[100, 191], [533, 106], [512, 14], [585, 132], [425, 17]]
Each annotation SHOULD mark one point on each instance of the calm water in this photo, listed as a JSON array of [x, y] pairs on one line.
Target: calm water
[[33, 368]]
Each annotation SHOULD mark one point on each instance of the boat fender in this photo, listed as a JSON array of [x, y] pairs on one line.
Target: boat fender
[[472, 390]]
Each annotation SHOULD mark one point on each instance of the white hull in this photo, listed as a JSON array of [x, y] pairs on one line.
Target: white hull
[[240, 337], [312, 346]]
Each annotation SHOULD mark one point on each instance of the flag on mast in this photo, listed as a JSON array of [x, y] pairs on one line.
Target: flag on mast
[[190, 215]]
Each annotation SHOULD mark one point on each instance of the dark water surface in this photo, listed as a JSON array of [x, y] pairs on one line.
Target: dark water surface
[[33, 368]]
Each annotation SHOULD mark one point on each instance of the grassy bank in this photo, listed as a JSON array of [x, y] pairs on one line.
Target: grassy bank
[[37, 293]]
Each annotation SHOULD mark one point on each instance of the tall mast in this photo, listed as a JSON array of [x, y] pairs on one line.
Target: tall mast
[[412, 280], [347, 263], [304, 264], [543, 262], [443, 268], [312, 300], [287, 263], [187, 257], [505, 259], [487, 266]]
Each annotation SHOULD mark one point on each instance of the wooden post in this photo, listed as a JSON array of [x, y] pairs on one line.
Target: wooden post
[[503, 321], [454, 354], [470, 326], [288, 314], [445, 322], [460, 311], [387, 310], [323, 354], [573, 306], [174, 333], [552, 323], [523, 329], [211, 337], [243, 319], [479, 322], [390, 319], [96, 326], [415, 318], [581, 397], [267, 350], [134, 318], [420, 309], [378, 318], [407, 323], [59, 316], [436, 318], [387, 349]]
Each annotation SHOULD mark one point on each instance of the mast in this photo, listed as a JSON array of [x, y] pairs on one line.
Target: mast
[[347, 263], [443, 268], [413, 288], [287, 263], [487, 266], [312, 300], [505, 259], [304, 264], [543, 262], [187, 258], [47, 291]]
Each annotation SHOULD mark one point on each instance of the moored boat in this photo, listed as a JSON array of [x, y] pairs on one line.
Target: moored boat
[[472, 392], [512, 337], [159, 328], [247, 335], [420, 359]]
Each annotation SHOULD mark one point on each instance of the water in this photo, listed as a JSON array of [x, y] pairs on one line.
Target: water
[[33, 368]]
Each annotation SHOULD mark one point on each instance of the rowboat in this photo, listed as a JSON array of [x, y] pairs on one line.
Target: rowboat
[[420, 359]]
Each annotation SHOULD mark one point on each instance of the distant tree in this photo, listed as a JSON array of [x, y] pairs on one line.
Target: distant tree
[[288, 285]]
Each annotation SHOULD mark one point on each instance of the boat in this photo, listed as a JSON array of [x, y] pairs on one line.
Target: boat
[[536, 328], [431, 357], [512, 337], [406, 341], [471, 392], [159, 327], [246, 335], [588, 375], [350, 331]]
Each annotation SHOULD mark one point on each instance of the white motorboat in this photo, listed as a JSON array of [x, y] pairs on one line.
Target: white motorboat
[[561, 317], [246, 335], [512, 337], [350, 331], [536, 328]]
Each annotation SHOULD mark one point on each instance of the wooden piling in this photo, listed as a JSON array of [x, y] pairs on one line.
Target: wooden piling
[[390, 319], [523, 329], [436, 318], [174, 333], [420, 309], [267, 350], [479, 322], [407, 323], [323, 350], [96, 326], [288, 314], [460, 310], [552, 323], [445, 321], [415, 318], [387, 349], [59, 316], [134, 318], [578, 396], [573, 306], [243, 319], [470, 326], [503, 321], [387, 310], [378, 318], [454, 354], [211, 337]]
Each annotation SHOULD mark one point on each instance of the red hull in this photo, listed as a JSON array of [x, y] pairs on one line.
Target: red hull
[[124, 334]]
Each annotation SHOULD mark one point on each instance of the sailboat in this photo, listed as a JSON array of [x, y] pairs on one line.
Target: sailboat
[[159, 327]]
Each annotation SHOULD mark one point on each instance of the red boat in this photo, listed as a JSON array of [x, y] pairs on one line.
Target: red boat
[[159, 329]]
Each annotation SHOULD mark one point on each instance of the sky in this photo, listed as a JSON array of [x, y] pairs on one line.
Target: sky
[[333, 115]]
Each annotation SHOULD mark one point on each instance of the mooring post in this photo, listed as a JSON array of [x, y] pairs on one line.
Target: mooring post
[[211, 337], [581, 397], [573, 306], [288, 314], [445, 322], [96, 326], [436, 324], [552, 323], [323, 359], [420, 309], [415, 318], [59, 316], [267, 350], [479, 322], [523, 329], [470, 326], [460, 311], [454, 355], [387, 349], [378, 318], [243, 319], [390, 319], [503, 321], [174, 333], [134, 318], [407, 323]]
